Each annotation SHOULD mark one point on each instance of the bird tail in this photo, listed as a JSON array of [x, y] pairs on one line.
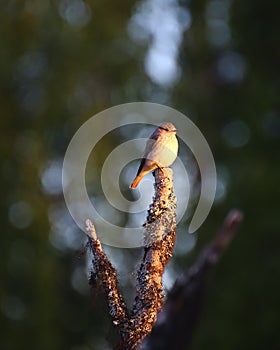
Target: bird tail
[[136, 181]]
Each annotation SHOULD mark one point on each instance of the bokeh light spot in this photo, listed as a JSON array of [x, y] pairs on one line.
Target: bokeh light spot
[[13, 308], [20, 214], [75, 12], [51, 177], [231, 67], [236, 134]]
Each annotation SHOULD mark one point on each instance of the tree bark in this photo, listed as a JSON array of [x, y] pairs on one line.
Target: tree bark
[[159, 240]]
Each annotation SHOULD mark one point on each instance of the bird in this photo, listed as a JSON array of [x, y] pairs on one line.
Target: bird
[[161, 151]]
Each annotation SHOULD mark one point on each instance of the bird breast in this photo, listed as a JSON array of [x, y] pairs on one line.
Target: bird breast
[[164, 150]]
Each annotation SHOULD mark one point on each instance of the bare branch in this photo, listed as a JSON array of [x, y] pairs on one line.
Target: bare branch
[[159, 243], [160, 231], [176, 322], [105, 274]]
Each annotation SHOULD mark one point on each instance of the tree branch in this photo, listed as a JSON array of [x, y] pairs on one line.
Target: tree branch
[[159, 243], [159, 239], [105, 273], [176, 322]]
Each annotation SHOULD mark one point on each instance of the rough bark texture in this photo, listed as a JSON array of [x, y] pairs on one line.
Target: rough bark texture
[[160, 232], [175, 325], [104, 273], [159, 243]]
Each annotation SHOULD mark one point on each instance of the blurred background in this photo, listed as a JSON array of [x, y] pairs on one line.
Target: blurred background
[[217, 61]]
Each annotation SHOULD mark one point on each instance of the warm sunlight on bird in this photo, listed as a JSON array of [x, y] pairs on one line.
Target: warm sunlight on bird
[[161, 151]]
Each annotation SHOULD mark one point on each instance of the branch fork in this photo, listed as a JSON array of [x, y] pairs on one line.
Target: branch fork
[[171, 325]]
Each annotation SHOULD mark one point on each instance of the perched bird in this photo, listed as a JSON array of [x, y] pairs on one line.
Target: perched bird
[[161, 151]]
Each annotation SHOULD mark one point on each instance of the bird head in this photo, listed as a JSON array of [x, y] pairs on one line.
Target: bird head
[[167, 126]]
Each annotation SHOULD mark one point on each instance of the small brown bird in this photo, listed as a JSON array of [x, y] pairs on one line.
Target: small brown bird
[[161, 151]]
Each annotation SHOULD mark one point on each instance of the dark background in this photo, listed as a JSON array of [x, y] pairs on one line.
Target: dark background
[[63, 61]]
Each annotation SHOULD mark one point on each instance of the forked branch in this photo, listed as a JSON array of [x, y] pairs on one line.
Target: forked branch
[[175, 323], [159, 239]]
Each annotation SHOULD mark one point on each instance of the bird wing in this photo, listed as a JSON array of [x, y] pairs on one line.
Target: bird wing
[[141, 166], [149, 145], [151, 141]]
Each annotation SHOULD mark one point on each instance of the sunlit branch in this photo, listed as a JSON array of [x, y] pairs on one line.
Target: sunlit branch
[[175, 325]]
